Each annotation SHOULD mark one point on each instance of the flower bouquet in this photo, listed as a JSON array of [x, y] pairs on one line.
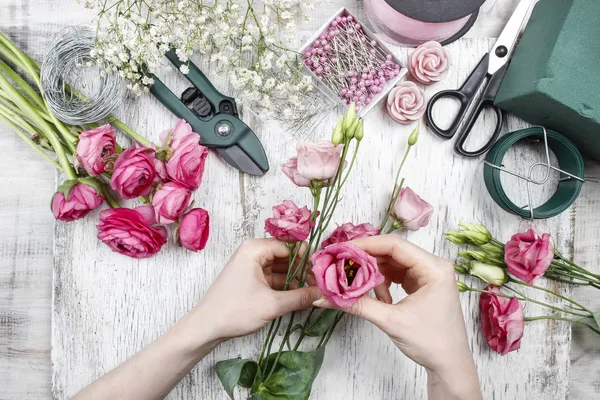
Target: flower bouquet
[[97, 169]]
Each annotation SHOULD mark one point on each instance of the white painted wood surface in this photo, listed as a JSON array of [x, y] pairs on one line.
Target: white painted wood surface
[[106, 306]]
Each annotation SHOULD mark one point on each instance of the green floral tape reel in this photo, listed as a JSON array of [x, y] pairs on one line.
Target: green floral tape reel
[[570, 163]]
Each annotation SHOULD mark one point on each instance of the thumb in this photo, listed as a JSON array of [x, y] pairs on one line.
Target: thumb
[[297, 299], [367, 308]]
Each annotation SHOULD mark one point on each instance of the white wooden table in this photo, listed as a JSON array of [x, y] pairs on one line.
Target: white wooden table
[[105, 307]]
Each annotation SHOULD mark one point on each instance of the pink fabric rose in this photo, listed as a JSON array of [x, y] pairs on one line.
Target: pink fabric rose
[[429, 63], [169, 201], [94, 148], [131, 231], [344, 273], [290, 223], [348, 232], [502, 320], [134, 172], [411, 211], [318, 161], [193, 229], [528, 255], [186, 157], [406, 103], [81, 200], [290, 169]]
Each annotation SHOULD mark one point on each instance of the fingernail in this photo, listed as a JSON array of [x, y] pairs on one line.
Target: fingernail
[[321, 302]]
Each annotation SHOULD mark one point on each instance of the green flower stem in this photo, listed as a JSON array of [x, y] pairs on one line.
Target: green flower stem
[[30, 142], [343, 182], [576, 321], [33, 95], [391, 230], [575, 266], [110, 199], [304, 326], [330, 332], [565, 270], [264, 348], [129, 132], [393, 201], [582, 308], [5, 100], [541, 303]]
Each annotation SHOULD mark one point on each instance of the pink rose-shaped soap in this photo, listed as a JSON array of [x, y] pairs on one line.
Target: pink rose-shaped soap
[[94, 148], [318, 161], [344, 273], [502, 320], [193, 229], [429, 63], [412, 211], [348, 232], [290, 169], [134, 172], [290, 223], [406, 102], [81, 200], [169, 201], [528, 255], [131, 231]]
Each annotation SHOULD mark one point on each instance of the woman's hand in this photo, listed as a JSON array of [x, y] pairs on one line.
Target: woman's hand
[[427, 325], [246, 295]]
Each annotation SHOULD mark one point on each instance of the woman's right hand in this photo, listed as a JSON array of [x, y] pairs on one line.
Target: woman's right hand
[[427, 325]]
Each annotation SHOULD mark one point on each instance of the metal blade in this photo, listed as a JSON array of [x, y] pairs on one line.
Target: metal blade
[[240, 160], [507, 41]]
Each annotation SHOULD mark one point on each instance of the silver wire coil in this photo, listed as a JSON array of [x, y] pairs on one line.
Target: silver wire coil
[[79, 90]]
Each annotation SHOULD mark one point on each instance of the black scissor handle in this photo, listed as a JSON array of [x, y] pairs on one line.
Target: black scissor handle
[[465, 94]]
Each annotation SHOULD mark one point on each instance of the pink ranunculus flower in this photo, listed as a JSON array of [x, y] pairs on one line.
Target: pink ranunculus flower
[[429, 63], [170, 201], [290, 223], [290, 169], [348, 232], [81, 200], [412, 212], [318, 161], [194, 229], [94, 148], [344, 273], [186, 157], [502, 319], [406, 103], [528, 255], [131, 232], [134, 172]]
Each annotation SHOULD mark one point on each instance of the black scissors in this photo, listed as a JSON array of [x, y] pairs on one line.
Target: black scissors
[[215, 118], [491, 69]]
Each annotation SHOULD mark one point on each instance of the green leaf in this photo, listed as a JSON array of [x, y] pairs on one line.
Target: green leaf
[[293, 376], [597, 318], [66, 187], [236, 372], [322, 323]]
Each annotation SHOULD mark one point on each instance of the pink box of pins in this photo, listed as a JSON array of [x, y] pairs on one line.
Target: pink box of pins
[[351, 62]]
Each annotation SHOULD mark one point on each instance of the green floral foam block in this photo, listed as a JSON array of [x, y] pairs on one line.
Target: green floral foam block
[[554, 76]]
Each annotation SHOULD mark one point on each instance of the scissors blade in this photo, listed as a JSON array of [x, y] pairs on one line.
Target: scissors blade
[[237, 158], [507, 41]]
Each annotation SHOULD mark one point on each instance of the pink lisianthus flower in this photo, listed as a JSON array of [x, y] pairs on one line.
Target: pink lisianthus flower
[[528, 255], [318, 161], [80, 201], [134, 172], [348, 232], [194, 229], [290, 223], [411, 211], [170, 201], [502, 320], [290, 169], [94, 149]]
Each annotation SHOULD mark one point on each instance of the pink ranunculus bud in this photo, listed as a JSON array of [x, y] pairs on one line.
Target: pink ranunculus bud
[[528, 255], [348, 232], [502, 320], [94, 149], [194, 229], [290, 223], [169, 201], [80, 201], [318, 161], [344, 273], [131, 232], [134, 172], [429, 63], [290, 169], [411, 211], [185, 155], [406, 103]]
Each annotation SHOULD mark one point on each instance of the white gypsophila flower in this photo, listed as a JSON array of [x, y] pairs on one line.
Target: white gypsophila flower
[[184, 69]]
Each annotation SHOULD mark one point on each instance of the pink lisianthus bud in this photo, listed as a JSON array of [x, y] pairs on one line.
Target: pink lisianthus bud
[[169, 201], [134, 172], [502, 320], [348, 232], [528, 255], [411, 211], [429, 63], [318, 161], [79, 201], [344, 273], [185, 156], [94, 149], [289, 223], [194, 229], [290, 169], [131, 232], [406, 103]]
